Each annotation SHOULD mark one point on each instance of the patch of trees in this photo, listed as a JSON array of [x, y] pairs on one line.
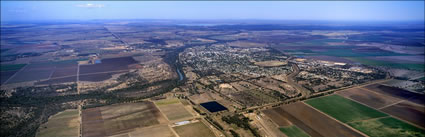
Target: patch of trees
[[234, 134], [242, 122], [217, 125]]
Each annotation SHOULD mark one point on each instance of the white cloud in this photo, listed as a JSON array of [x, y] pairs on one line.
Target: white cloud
[[89, 5]]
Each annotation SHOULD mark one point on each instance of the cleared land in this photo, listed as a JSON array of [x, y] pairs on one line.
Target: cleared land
[[343, 109], [57, 80], [387, 127], [120, 118], [63, 124], [5, 75], [369, 98], [110, 64], [153, 131], [197, 129], [278, 118], [398, 93], [173, 109], [99, 76], [293, 131], [273, 63], [46, 70], [408, 111], [312, 121]]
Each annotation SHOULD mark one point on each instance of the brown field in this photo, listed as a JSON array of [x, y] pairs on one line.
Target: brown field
[[99, 76], [5, 75], [63, 124], [120, 118], [397, 92], [197, 129], [408, 111], [278, 118], [369, 98], [31, 74], [173, 109], [46, 70], [154, 131], [313, 122], [57, 80], [273, 63], [63, 70], [110, 64], [201, 98]]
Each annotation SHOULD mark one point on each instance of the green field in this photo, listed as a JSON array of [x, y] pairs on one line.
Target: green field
[[387, 127], [63, 124], [167, 101], [343, 109], [11, 67], [410, 66], [293, 131]]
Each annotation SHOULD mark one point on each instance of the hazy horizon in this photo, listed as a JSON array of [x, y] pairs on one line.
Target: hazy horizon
[[351, 11]]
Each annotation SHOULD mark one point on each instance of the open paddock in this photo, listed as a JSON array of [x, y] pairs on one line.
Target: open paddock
[[387, 127], [99, 76], [278, 118], [120, 118], [57, 80], [311, 121], [369, 98], [63, 124], [344, 110], [293, 131], [153, 131], [408, 111], [173, 109], [197, 129], [46, 70], [397, 92], [109, 64], [5, 75]]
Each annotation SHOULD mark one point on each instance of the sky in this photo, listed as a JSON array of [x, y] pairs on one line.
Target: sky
[[270, 10]]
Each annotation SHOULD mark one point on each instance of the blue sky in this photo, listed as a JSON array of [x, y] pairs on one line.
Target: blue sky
[[275, 10]]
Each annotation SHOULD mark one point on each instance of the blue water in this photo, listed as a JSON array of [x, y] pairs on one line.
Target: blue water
[[213, 106], [97, 61], [180, 74]]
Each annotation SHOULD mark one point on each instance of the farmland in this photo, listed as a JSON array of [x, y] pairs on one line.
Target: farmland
[[167, 78], [188, 130], [388, 127], [365, 119], [370, 98], [293, 131], [389, 100], [115, 119], [173, 109], [342, 109], [312, 121], [63, 124]]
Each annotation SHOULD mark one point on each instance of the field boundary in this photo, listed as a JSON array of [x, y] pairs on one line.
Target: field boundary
[[346, 125], [15, 74], [387, 113]]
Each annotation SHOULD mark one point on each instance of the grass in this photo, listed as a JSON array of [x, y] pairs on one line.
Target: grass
[[197, 129], [167, 101], [344, 109], [387, 127], [64, 124], [11, 67], [293, 131], [410, 66]]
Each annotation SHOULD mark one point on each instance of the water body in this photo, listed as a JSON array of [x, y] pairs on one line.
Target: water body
[[213, 106], [180, 75]]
